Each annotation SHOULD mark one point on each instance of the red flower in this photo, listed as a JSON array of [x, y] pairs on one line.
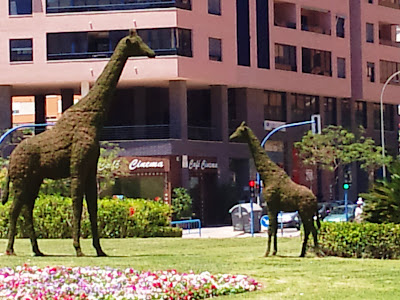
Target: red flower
[[157, 199], [131, 211]]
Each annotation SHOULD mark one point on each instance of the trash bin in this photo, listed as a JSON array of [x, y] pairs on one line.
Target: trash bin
[[241, 217]]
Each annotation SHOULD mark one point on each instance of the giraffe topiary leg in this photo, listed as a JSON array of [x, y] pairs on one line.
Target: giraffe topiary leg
[[14, 213], [272, 230], [28, 213], [91, 200]]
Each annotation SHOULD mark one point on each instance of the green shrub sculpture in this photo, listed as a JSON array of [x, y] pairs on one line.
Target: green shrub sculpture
[[69, 149], [280, 192], [116, 218], [360, 240]]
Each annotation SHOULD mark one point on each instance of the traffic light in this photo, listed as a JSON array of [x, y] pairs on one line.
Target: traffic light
[[347, 179], [252, 186]]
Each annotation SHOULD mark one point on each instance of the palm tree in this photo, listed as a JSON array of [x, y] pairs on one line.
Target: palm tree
[[382, 203]]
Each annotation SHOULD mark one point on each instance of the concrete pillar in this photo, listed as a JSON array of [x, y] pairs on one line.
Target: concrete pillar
[[85, 87], [5, 107], [178, 109], [255, 111], [219, 112], [67, 99], [40, 112]]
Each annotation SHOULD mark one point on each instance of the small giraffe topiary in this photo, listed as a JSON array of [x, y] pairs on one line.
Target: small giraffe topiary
[[70, 149], [280, 192]]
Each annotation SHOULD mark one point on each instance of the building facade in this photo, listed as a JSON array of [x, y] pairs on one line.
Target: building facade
[[218, 63]]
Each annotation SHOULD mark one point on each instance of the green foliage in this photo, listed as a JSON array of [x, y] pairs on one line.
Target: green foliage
[[382, 202], [181, 204], [366, 240], [336, 147], [116, 219]]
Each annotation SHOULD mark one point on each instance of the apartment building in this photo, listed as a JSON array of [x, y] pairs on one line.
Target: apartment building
[[266, 62]]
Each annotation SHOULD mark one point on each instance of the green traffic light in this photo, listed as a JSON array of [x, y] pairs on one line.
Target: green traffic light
[[346, 186]]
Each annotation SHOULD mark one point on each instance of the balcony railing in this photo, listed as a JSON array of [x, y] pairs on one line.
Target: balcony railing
[[63, 6], [137, 132], [389, 43], [106, 54], [202, 133]]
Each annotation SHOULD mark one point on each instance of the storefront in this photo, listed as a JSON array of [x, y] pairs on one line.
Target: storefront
[[144, 177]]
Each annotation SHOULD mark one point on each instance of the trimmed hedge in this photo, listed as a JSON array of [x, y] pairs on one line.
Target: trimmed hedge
[[361, 240], [116, 219]]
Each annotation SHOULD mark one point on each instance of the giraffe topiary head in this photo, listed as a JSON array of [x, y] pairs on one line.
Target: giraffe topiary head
[[136, 46], [240, 134]]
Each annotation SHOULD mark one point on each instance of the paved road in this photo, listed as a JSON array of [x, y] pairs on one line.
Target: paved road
[[228, 232]]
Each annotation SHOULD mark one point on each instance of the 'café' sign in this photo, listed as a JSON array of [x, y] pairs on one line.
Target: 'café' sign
[[139, 164], [202, 164]]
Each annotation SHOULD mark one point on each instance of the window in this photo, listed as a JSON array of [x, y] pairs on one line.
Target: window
[[341, 67], [388, 116], [21, 50], [303, 106], [214, 7], [370, 32], [316, 62], [20, 7], [243, 32], [346, 113], [388, 68], [275, 108], [285, 57], [361, 113], [214, 49], [370, 1], [340, 27], [371, 71], [330, 111], [81, 45]]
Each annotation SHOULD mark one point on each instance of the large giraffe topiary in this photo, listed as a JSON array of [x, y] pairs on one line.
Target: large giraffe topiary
[[280, 192], [69, 149]]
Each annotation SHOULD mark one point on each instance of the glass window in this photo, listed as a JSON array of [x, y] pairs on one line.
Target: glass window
[[303, 106], [341, 67], [388, 68], [214, 7], [370, 32], [371, 71], [346, 113], [275, 108], [361, 113], [81, 45], [340, 27], [316, 62], [215, 49], [285, 57], [20, 7], [388, 118], [330, 111], [21, 50]]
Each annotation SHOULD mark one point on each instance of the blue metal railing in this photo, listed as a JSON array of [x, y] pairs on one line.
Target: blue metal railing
[[8, 132], [60, 6], [187, 224]]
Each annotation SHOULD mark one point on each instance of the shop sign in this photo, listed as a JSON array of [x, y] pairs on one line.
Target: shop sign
[[139, 164], [202, 164]]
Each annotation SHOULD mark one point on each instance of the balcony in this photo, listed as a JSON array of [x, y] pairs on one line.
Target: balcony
[[317, 21], [202, 133], [390, 3], [389, 34], [285, 14], [67, 6]]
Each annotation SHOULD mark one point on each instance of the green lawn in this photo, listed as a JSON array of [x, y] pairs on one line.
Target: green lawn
[[284, 277]]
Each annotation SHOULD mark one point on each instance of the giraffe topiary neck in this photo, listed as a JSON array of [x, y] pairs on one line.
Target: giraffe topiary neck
[[100, 95], [267, 169]]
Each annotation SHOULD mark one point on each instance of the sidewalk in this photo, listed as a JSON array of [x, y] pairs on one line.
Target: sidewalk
[[228, 232]]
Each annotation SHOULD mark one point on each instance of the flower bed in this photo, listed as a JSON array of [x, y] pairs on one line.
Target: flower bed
[[25, 282]]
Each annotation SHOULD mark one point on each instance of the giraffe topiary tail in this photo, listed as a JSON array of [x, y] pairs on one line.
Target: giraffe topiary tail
[[4, 197]]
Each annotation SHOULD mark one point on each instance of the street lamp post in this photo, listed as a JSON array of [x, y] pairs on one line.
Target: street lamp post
[[382, 123]]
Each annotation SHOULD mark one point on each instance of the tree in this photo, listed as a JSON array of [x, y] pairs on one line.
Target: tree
[[382, 202], [336, 147], [181, 203]]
